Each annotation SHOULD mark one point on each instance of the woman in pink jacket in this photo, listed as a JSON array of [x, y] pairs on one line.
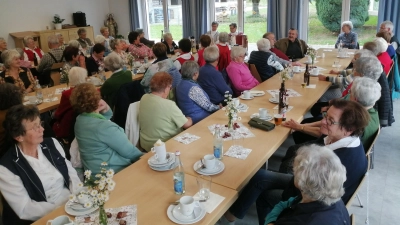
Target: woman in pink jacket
[[239, 73]]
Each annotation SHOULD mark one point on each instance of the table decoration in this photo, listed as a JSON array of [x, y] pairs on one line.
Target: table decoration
[[186, 138], [238, 152], [312, 53], [115, 216], [239, 128], [288, 109], [231, 111], [289, 92]]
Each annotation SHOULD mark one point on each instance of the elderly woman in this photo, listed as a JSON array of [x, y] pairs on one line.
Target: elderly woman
[[343, 123], [144, 40], [162, 63], [99, 139], [185, 45], [35, 177], [266, 63], [106, 34], [83, 40], [96, 60], [64, 116], [118, 77], [117, 45], [100, 39], [379, 50], [224, 52], [3, 47], [190, 97], [239, 72], [71, 56], [387, 37], [319, 175], [172, 48], [160, 118], [61, 41], [10, 95], [210, 79], [31, 51], [205, 41], [21, 77], [348, 39], [136, 48]]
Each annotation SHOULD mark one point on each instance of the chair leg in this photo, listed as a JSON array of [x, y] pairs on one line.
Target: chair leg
[[359, 201], [372, 157]]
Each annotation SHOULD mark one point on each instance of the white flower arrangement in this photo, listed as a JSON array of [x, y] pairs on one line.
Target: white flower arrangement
[[99, 187], [312, 53], [285, 74], [230, 109]]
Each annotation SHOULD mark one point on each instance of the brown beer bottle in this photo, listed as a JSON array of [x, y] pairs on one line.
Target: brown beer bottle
[[307, 76], [282, 104]]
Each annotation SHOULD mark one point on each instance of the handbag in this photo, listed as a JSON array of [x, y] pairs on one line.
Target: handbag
[[261, 124]]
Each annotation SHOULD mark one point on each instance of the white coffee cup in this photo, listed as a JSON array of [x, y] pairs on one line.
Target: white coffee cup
[[276, 97], [315, 71], [246, 94], [309, 59], [263, 112], [160, 152], [209, 161], [60, 220], [187, 205], [32, 99], [296, 69], [323, 55]]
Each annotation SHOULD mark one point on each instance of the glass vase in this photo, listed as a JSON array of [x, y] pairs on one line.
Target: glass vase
[[102, 216], [230, 125]]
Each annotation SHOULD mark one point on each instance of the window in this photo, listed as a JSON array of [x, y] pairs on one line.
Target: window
[[255, 19], [157, 18], [226, 12]]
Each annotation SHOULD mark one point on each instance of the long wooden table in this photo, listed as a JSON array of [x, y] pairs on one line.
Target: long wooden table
[[152, 191]]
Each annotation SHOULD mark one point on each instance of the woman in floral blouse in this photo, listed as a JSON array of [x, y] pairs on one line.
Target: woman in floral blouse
[[138, 49], [71, 56], [21, 77]]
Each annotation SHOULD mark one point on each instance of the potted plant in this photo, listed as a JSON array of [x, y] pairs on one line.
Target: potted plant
[[58, 22]]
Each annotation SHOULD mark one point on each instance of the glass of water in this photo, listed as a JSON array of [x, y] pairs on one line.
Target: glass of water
[[204, 184]]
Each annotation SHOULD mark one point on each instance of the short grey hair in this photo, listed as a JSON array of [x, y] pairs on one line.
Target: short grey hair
[[372, 46], [364, 53], [366, 91], [368, 67], [27, 38], [8, 55], [115, 42], [223, 37], [388, 24], [167, 36], [381, 44], [237, 51], [211, 54], [74, 43], [77, 75], [20, 51], [263, 45], [58, 35], [52, 39], [319, 174], [99, 39], [189, 68], [113, 62], [348, 23], [2, 39], [81, 30]]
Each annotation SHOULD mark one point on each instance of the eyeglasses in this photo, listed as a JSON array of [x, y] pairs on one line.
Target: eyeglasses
[[330, 122], [37, 127]]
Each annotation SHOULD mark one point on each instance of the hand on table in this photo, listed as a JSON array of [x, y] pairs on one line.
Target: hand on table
[[322, 77], [296, 64], [103, 107], [334, 72], [292, 124]]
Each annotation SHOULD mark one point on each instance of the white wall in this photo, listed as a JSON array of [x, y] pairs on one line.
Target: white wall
[[34, 15], [120, 9]]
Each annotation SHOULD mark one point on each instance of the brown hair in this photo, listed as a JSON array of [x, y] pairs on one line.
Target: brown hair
[[385, 35], [354, 117], [205, 40], [10, 95], [159, 50], [85, 98], [160, 81], [267, 34], [372, 46]]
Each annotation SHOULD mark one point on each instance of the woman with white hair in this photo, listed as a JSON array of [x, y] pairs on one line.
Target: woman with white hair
[[3, 47], [190, 97], [64, 116], [61, 40], [383, 56], [239, 72], [169, 42], [31, 51], [224, 52], [14, 73], [114, 63], [106, 34], [319, 175], [348, 39], [265, 62], [117, 45], [386, 36]]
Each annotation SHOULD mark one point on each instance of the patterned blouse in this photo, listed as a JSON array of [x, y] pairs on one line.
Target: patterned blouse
[[140, 50], [25, 80], [198, 96], [348, 40], [64, 72]]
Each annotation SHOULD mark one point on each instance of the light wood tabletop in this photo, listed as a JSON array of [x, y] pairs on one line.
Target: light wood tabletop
[[152, 192]]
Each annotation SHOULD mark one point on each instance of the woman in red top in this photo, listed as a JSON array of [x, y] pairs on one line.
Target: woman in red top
[[379, 49], [31, 50], [65, 116], [224, 52], [205, 41]]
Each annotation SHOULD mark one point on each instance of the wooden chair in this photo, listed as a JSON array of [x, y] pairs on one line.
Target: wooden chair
[[352, 219], [391, 68], [254, 72], [55, 76], [370, 150]]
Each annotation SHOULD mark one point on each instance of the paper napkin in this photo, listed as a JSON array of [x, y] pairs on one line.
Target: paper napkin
[[212, 202]]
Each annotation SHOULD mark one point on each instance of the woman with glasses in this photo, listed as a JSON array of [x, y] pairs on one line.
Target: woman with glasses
[[160, 118], [239, 72], [35, 177]]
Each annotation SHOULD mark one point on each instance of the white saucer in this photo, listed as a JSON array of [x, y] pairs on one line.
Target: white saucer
[[337, 66], [342, 57], [77, 207], [251, 97], [170, 214], [164, 168], [72, 212], [155, 163], [272, 100], [314, 75], [242, 106], [218, 169], [258, 93], [257, 115], [197, 211]]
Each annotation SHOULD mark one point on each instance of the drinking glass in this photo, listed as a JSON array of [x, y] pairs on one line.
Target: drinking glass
[[204, 184], [237, 138], [50, 94]]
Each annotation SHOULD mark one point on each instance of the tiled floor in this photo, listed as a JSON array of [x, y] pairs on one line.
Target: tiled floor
[[383, 203]]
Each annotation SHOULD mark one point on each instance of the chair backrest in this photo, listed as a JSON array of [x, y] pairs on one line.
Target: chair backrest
[[254, 72], [373, 142], [391, 69], [55, 76], [352, 219], [348, 204]]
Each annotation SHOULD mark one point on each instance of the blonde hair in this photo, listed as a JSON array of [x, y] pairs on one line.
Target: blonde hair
[[103, 29]]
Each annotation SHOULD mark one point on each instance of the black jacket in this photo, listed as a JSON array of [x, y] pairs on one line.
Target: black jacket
[[384, 104], [260, 60]]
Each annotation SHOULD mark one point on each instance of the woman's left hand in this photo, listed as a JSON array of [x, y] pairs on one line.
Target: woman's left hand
[[322, 77], [103, 107], [292, 124]]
